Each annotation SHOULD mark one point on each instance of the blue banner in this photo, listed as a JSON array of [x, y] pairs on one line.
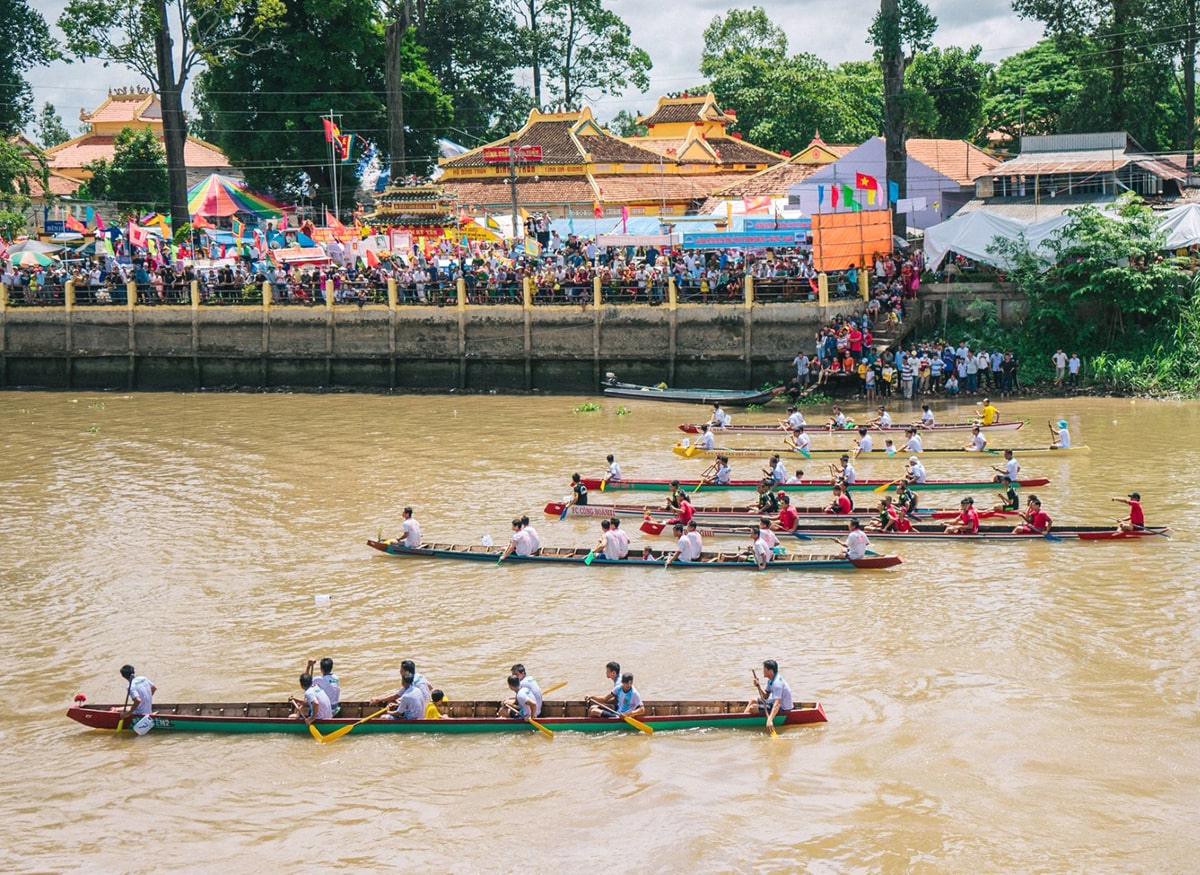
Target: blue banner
[[760, 240], [777, 225]]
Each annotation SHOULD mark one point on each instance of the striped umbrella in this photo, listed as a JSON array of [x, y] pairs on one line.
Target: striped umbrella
[[224, 196], [31, 259]]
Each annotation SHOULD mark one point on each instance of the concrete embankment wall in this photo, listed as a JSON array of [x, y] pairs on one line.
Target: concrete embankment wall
[[377, 347]]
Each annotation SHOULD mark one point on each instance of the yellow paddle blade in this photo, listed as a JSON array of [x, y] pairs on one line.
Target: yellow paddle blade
[[345, 730], [316, 733], [558, 686], [539, 727], [638, 725]]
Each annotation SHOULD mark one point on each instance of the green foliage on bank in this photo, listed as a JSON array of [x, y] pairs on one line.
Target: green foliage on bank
[[1102, 287]]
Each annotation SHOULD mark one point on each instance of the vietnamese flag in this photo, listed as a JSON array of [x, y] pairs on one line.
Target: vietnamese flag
[[869, 183], [597, 210], [74, 224]]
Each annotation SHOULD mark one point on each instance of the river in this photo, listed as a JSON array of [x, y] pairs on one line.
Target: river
[[992, 708]]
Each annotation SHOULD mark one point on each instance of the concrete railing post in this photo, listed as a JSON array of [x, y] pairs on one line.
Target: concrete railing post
[[597, 295], [3, 297], [393, 298], [823, 289], [69, 295], [864, 283], [268, 295], [194, 292], [460, 290], [748, 291], [131, 293], [672, 294], [527, 293]]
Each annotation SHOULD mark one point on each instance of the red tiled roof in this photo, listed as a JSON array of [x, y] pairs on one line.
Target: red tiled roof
[[734, 151], [60, 186], [558, 146], [674, 111], [956, 159], [495, 192], [128, 108], [84, 149], [670, 187], [610, 149]]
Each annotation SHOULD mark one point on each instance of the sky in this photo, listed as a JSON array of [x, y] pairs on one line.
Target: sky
[[833, 31]]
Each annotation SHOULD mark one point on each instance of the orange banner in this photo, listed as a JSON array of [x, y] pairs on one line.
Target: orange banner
[[844, 239]]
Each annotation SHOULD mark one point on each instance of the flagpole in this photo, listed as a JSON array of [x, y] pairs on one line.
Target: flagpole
[[333, 169]]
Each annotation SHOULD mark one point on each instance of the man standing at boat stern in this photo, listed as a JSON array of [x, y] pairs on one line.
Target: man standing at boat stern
[[775, 697]]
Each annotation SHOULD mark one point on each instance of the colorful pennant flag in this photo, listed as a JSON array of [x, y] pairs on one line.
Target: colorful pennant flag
[[238, 228], [834, 190], [331, 221], [345, 144], [868, 183], [200, 223], [99, 221], [756, 204], [624, 218], [532, 247], [89, 215], [73, 224], [491, 224], [871, 197], [893, 191], [597, 210], [331, 130], [820, 195]]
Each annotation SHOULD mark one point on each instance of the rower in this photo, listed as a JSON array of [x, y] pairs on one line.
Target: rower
[[684, 513], [838, 420], [768, 502], [882, 419], [412, 530], [315, 704], [764, 532], [760, 549], [776, 696], [1136, 521], [578, 491], [864, 444], [798, 477], [789, 517], [906, 499], [885, 521], [705, 441], [684, 550], [694, 539], [795, 420], [520, 542], [609, 544], [1037, 521], [719, 419], [926, 417], [407, 702], [841, 501], [328, 682], [527, 683], [1061, 438], [799, 441], [775, 471], [622, 538], [989, 414], [843, 473], [856, 542], [889, 447], [1009, 500], [968, 519], [721, 474], [522, 704], [614, 471], [613, 672], [1010, 469], [913, 444], [673, 496], [914, 471], [978, 442]]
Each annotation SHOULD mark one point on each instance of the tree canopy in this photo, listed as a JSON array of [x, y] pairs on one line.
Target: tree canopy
[[135, 179], [50, 128], [26, 43]]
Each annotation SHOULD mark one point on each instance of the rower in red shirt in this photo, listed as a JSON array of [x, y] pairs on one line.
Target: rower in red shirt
[[1037, 521], [841, 502], [789, 518], [686, 512], [1136, 521], [968, 520]]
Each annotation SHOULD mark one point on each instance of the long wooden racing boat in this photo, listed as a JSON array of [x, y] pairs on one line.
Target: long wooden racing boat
[[711, 561], [726, 397], [924, 532], [718, 513], [689, 486], [767, 428], [468, 717], [686, 451]]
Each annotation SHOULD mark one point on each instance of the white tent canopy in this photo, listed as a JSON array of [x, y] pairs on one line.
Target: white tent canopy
[[1182, 226], [973, 233]]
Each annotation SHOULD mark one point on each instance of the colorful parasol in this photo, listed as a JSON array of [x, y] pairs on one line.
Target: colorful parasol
[[224, 196], [32, 259]]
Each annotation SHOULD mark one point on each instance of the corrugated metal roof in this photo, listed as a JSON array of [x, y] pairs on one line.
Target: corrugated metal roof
[[1027, 210], [1115, 141]]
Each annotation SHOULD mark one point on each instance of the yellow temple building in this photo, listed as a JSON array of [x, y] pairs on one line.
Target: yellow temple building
[[686, 155], [128, 108]]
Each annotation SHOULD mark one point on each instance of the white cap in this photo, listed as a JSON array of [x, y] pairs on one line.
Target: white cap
[[913, 459]]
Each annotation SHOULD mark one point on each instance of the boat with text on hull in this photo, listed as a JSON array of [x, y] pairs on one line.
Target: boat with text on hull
[[690, 486]]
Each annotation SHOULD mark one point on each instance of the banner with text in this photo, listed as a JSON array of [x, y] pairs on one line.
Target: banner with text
[[735, 240]]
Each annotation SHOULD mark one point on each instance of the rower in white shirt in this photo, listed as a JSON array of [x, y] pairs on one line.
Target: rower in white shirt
[[1062, 438], [914, 472], [795, 419], [914, 444], [705, 441], [978, 442], [865, 444], [799, 441], [926, 416]]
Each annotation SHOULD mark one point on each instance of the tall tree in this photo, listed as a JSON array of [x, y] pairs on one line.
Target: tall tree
[[135, 179], [471, 48], [1029, 92], [166, 42], [397, 20], [20, 171], [50, 128], [591, 52], [953, 80], [899, 24], [739, 33], [26, 43], [532, 39]]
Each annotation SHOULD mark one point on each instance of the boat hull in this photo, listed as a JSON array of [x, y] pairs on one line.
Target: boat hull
[[764, 428], [273, 717], [718, 513], [803, 486], [725, 397], [922, 533], [989, 455], [578, 556]]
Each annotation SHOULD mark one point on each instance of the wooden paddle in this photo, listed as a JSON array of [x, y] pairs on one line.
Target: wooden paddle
[[539, 727], [557, 686], [758, 688], [636, 724], [128, 691], [1163, 531], [566, 510], [587, 560], [700, 482], [886, 486], [346, 730]]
